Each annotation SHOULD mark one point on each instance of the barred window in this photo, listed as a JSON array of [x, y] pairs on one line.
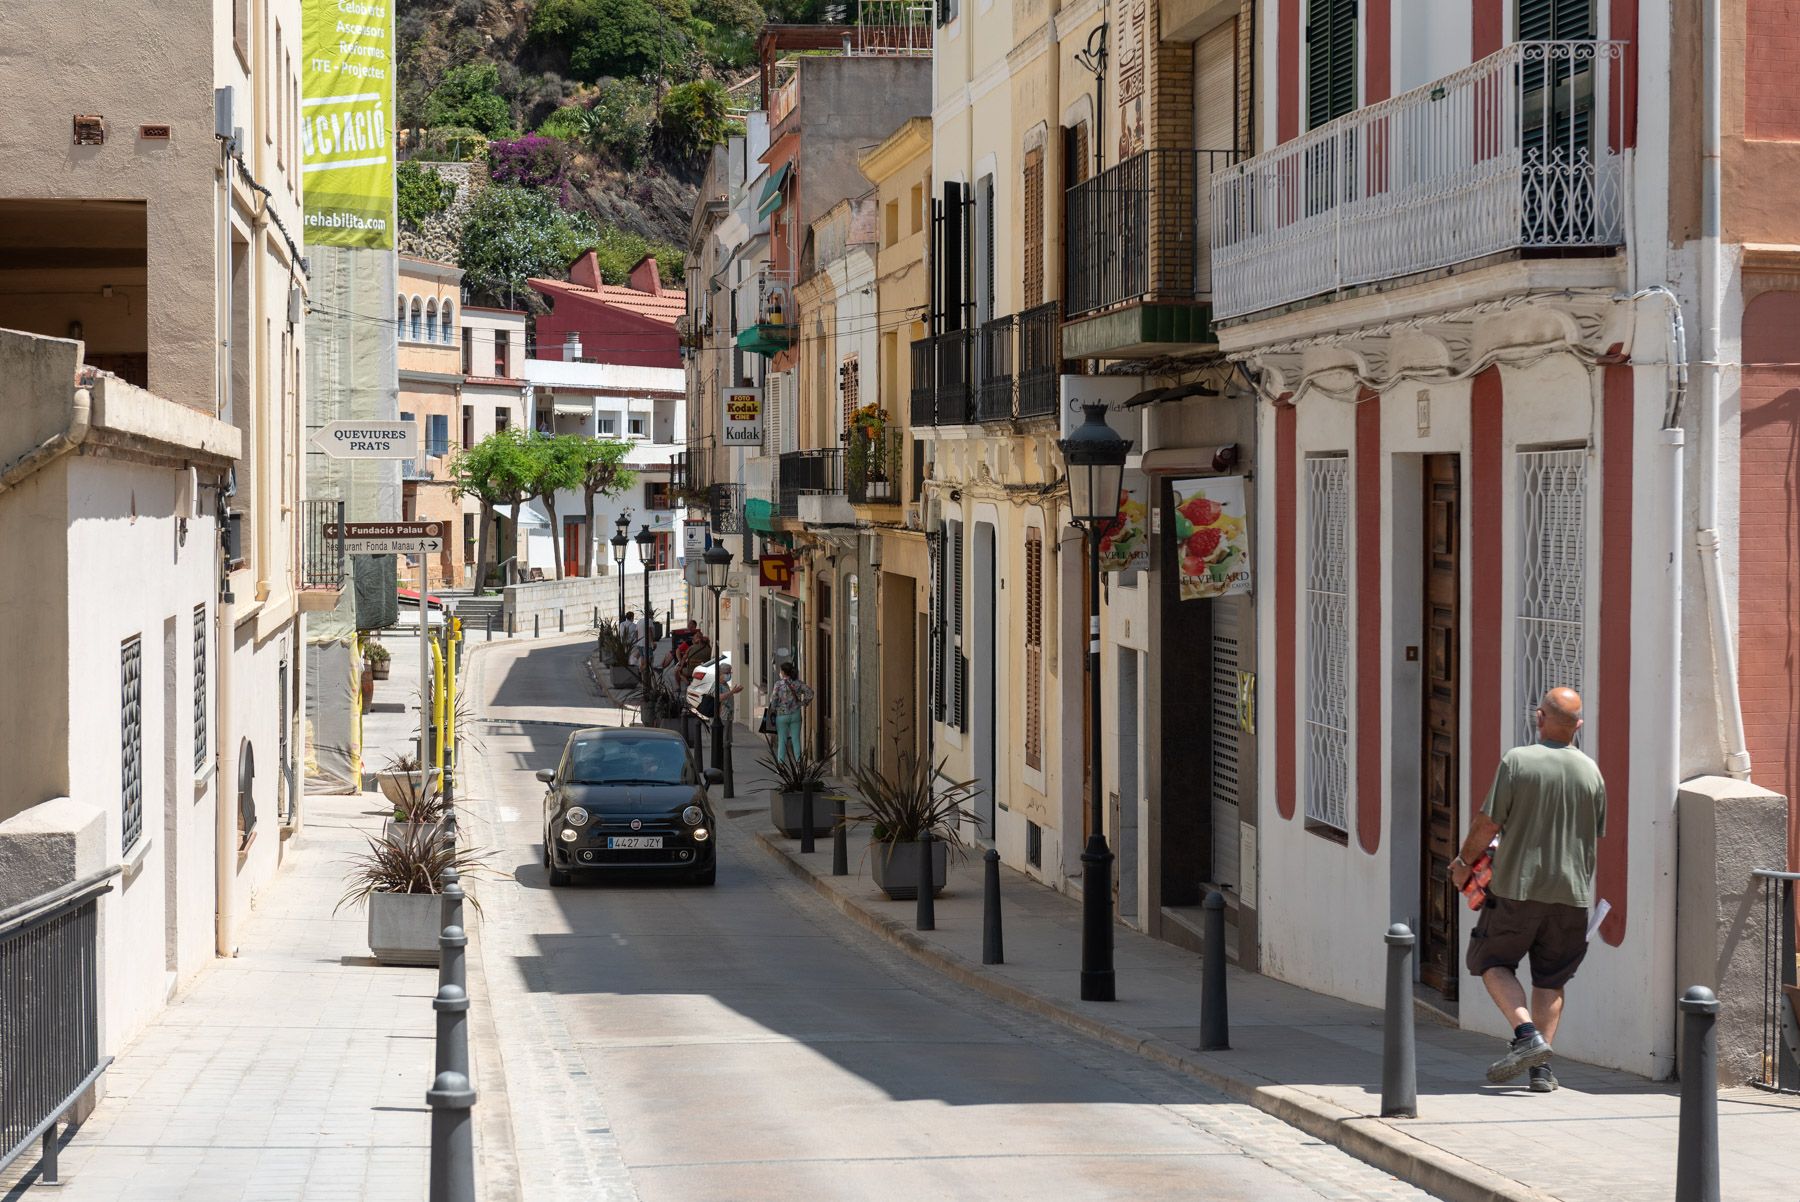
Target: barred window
[[202, 742], [1551, 632], [1327, 640], [131, 742]]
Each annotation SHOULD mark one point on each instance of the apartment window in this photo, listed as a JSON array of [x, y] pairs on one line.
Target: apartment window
[[1551, 633], [469, 539], [607, 425], [1327, 640], [986, 297], [947, 11], [502, 419], [283, 761], [277, 129], [437, 434], [635, 426], [468, 353], [891, 221], [418, 319], [656, 496], [447, 323], [431, 314], [400, 318], [1034, 647], [918, 207], [240, 30], [1034, 228], [202, 743], [502, 353], [1330, 60], [952, 668], [131, 742], [468, 425], [850, 385], [663, 557]]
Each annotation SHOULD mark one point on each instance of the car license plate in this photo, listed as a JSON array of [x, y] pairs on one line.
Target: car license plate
[[632, 842]]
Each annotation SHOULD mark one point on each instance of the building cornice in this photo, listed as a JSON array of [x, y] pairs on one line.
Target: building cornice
[[911, 140]]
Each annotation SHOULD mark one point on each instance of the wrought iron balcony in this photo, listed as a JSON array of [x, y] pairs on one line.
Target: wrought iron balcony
[[725, 508], [873, 465], [1516, 152], [994, 395], [924, 382], [808, 473], [955, 356], [321, 558], [1040, 360]]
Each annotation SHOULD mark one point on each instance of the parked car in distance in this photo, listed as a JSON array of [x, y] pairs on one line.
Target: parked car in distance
[[701, 684], [629, 798]]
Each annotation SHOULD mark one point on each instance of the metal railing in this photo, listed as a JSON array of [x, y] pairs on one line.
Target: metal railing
[[1781, 993], [725, 508], [1137, 231], [49, 1015], [808, 473], [955, 355], [924, 382], [994, 393], [1516, 151], [1040, 359], [873, 465], [321, 558]]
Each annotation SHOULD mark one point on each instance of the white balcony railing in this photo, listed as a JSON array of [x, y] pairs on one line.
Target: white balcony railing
[[1519, 150]]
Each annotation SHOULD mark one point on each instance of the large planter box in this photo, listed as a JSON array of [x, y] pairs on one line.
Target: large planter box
[[785, 811], [898, 873], [402, 787], [623, 677], [404, 928]]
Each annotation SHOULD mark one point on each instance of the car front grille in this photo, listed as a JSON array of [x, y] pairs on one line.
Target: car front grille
[[637, 855]]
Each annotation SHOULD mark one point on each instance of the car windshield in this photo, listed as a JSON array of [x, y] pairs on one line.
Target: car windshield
[[627, 761]]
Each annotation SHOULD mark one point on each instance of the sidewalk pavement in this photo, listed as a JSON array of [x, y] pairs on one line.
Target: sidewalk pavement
[[1311, 1060]]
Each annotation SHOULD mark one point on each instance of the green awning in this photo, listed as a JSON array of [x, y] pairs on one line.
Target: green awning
[[771, 193], [766, 338], [759, 515]]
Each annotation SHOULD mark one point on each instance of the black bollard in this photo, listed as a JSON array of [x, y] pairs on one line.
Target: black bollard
[[840, 840], [560, 628], [452, 1171], [451, 890], [1215, 1021], [993, 950], [1399, 1068], [534, 625], [927, 917], [806, 819], [1697, 1144], [490, 627]]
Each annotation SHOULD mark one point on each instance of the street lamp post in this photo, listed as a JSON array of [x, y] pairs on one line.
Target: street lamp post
[[646, 544], [1096, 464], [621, 540], [718, 573]]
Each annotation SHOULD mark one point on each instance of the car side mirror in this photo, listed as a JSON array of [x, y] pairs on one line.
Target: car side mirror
[[714, 776], [546, 774]]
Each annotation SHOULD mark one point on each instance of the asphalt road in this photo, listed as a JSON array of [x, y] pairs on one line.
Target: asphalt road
[[744, 1042]]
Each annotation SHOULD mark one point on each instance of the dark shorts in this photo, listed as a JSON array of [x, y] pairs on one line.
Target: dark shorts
[[1555, 936]]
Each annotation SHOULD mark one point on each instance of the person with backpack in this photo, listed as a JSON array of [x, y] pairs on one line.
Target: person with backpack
[[787, 700]]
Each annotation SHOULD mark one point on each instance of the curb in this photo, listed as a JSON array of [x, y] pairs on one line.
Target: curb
[[1371, 1140]]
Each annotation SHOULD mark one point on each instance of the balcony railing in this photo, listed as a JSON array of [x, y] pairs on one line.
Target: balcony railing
[[321, 558], [873, 463], [994, 395], [1040, 355], [808, 473], [725, 508], [955, 355], [1137, 231], [1515, 152], [924, 382]]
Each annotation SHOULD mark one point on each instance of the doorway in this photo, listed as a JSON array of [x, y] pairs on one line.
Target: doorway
[[983, 706], [574, 536], [821, 672], [1440, 783]]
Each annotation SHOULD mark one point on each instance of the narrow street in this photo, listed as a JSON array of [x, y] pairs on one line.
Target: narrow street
[[745, 1041]]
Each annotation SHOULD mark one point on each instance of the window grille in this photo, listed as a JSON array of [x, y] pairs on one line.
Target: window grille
[[131, 742], [1550, 637], [201, 741], [1327, 640], [1034, 647]]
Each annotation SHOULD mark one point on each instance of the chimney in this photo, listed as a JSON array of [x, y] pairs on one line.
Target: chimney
[[571, 346], [586, 271], [645, 277]]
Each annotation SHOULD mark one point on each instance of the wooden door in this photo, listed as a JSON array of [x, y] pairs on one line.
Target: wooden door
[[1441, 788], [574, 534], [822, 668]]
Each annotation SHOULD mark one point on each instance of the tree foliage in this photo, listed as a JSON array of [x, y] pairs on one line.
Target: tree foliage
[[615, 37], [512, 234], [469, 95], [531, 162], [422, 194], [694, 116]]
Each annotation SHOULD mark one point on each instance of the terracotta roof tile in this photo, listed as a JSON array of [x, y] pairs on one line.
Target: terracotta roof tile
[[666, 306]]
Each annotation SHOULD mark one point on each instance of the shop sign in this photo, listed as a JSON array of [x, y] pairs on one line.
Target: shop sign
[[776, 571], [1125, 545], [346, 123], [1212, 537], [743, 424]]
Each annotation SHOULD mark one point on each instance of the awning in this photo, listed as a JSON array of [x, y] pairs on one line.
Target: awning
[[1189, 461], [581, 405], [759, 515], [770, 200], [1152, 396]]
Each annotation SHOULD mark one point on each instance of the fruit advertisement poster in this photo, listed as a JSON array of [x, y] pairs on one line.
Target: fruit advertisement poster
[[1125, 546], [1212, 537]]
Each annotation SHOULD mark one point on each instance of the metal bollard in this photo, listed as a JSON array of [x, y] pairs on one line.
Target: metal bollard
[[806, 820], [560, 629], [993, 949], [534, 625], [512, 623], [450, 888], [47, 1170], [596, 617], [452, 1176], [452, 1004], [490, 627], [927, 917], [1697, 1144], [1399, 1068], [1215, 1020], [840, 840]]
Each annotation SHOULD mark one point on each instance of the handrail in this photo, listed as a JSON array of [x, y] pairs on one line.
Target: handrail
[[74, 893], [1775, 874]]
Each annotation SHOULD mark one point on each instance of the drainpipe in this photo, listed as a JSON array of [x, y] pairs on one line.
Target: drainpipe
[[81, 405], [1724, 639]]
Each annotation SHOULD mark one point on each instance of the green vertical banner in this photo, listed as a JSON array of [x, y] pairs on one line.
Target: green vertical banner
[[346, 123]]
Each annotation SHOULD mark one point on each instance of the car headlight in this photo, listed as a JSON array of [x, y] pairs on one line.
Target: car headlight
[[575, 816], [692, 815], [566, 835], [702, 835]]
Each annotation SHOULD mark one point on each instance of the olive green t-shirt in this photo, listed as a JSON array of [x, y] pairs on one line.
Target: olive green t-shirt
[[1550, 803]]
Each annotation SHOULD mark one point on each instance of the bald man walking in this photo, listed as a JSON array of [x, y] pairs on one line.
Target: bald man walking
[[1548, 805]]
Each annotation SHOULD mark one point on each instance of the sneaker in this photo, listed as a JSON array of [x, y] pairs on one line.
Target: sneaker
[[1523, 1054], [1543, 1080]]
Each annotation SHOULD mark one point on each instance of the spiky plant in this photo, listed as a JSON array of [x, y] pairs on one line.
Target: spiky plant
[[901, 806], [798, 773], [409, 859]]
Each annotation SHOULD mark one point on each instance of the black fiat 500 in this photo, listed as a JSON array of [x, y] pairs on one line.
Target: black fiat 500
[[629, 798]]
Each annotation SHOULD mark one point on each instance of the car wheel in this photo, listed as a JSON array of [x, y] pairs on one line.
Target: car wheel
[[708, 875]]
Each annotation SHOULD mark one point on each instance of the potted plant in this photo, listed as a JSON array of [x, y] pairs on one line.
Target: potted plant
[[794, 776], [407, 783], [615, 655], [378, 658], [901, 807], [399, 880], [367, 684]]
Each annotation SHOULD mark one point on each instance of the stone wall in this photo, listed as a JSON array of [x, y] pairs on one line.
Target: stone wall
[[577, 597]]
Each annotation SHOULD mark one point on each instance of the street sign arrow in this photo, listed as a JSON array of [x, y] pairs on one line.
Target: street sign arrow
[[368, 440], [387, 538]]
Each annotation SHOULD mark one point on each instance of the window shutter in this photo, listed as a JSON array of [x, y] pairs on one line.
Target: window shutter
[[956, 575], [962, 691], [959, 663], [1330, 60], [955, 257], [1034, 648], [987, 234], [1555, 20], [940, 602], [1034, 228]]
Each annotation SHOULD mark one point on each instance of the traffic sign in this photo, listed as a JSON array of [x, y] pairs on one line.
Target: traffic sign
[[387, 538], [368, 440]]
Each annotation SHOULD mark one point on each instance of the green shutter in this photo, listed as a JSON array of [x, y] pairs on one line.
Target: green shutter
[[1330, 60], [1558, 101], [1555, 20]]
